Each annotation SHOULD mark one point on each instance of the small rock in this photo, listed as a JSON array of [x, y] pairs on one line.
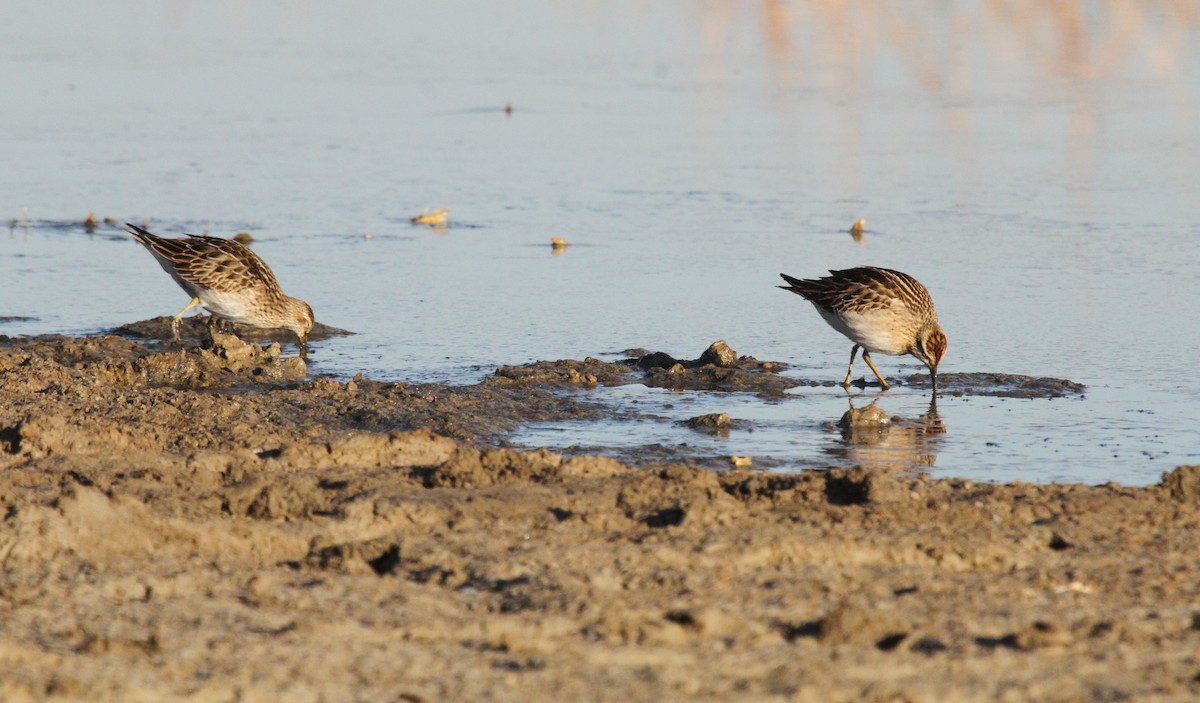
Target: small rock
[[869, 425], [871, 416], [710, 421], [719, 354]]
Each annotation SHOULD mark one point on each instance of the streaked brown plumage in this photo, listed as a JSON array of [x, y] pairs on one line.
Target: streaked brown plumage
[[880, 310], [228, 280]]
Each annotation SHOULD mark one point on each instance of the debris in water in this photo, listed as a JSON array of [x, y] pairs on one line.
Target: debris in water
[[857, 229], [432, 218]]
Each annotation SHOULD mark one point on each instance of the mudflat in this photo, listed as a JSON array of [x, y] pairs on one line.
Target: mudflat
[[212, 524]]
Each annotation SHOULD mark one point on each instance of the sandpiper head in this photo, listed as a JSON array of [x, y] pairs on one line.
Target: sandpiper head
[[301, 321], [929, 348]]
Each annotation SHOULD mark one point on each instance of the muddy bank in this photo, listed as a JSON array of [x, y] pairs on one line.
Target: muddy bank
[[264, 393], [228, 533]]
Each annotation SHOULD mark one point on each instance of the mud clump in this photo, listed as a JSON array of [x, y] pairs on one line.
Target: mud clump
[[718, 368], [1183, 483], [227, 361], [566, 372]]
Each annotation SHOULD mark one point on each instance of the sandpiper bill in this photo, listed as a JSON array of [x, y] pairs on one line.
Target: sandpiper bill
[[880, 310], [229, 281]]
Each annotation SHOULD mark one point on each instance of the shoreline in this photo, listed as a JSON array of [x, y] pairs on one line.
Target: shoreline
[[210, 524]]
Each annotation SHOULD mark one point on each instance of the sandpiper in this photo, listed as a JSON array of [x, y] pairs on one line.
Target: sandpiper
[[880, 310], [229, 281]]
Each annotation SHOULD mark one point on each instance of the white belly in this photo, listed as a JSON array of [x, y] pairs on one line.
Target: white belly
[[229, 306], [874, 330]]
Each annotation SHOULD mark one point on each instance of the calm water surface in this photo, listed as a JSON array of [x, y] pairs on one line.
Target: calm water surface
[[1033, 164]]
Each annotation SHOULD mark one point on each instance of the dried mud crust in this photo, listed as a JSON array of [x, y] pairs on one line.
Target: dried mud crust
[[264, 543]]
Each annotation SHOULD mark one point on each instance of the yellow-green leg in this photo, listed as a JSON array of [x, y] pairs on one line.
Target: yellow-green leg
[[175, 320], [867, 358]]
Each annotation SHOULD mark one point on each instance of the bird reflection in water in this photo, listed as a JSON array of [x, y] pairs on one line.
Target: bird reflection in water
[[874, 440]]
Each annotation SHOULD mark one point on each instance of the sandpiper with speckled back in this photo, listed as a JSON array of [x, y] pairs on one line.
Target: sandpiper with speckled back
[[229, 281], [880, 310]]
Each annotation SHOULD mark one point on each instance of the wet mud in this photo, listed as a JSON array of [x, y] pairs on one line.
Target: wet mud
[[719, 368], [1000, 385], [194, 328], [235, 530]]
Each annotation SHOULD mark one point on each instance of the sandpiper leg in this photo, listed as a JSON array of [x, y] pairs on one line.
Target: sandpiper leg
[[867, 358], [175, 320], [850, 368]]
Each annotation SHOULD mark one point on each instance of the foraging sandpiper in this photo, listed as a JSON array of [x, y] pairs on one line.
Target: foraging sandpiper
[[880, 310]]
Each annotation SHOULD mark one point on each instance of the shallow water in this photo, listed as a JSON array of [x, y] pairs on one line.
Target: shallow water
[[1033, 166]]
